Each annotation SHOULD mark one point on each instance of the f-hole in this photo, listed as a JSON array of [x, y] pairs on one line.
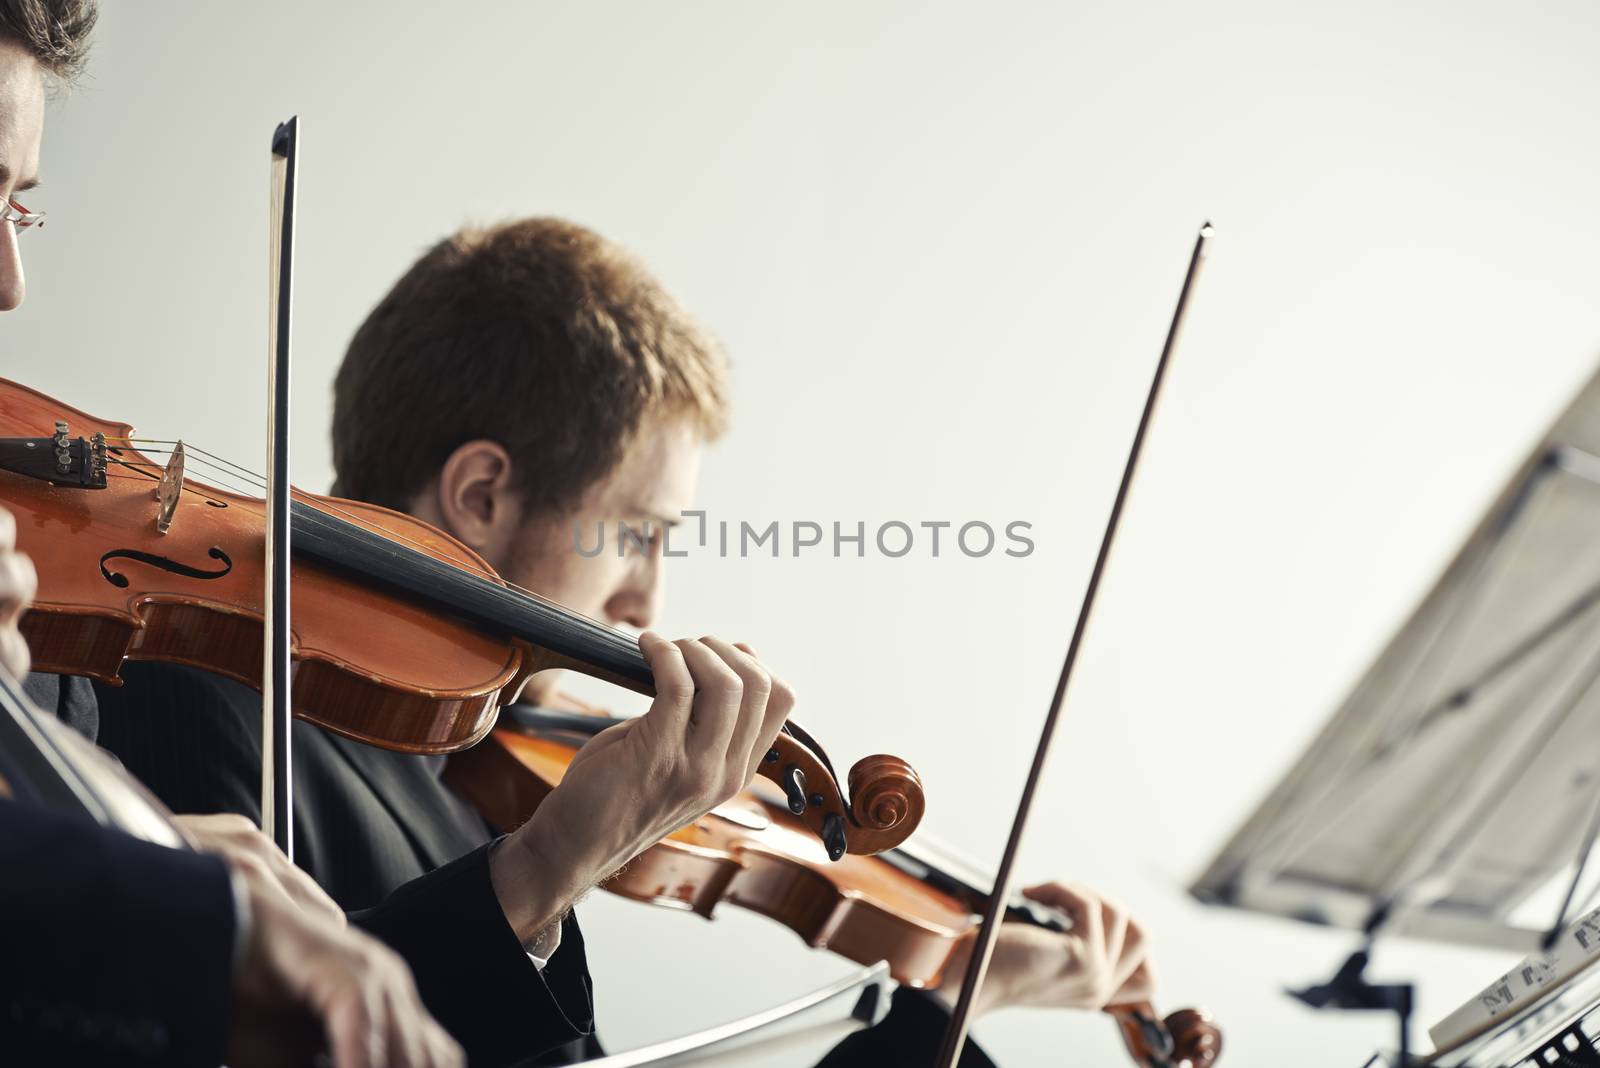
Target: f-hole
[[119, 580]]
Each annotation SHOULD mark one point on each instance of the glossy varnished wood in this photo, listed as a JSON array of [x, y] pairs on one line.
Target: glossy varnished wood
[[371, 666], [751, 852]]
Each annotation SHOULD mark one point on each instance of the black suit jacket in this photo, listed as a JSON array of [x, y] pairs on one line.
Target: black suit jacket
[[69, 697], [116, 951], [382, 835]]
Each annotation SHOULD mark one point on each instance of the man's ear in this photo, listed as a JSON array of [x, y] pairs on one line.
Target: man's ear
[[476, 497]]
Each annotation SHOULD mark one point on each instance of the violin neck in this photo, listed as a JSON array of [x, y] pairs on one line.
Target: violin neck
[[575, 640]]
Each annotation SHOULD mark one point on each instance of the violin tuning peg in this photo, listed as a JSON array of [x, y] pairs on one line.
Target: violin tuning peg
[[833, 837], [794, 785]]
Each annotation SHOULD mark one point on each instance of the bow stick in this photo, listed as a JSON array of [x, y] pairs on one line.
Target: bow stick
[[955, 1037], [277, 766]]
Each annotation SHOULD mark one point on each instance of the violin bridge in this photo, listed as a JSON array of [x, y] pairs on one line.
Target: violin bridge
[[170, 490]]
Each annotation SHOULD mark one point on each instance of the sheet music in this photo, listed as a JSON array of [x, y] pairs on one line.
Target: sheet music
[[1460, 775], [1534, 976]]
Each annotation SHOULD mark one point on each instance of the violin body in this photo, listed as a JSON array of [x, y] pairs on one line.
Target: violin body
[[752, 852], [372, 665]]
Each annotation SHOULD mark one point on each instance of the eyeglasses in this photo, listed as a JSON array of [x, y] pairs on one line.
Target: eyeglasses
[[19, 216]]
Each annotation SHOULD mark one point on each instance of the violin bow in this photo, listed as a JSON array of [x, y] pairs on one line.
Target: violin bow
[[277, 765], [955, 1037]]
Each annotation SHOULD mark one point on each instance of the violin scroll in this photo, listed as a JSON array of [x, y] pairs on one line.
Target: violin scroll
[[1188, 1038], [1196, 1039], [885, 801], [885, 797]]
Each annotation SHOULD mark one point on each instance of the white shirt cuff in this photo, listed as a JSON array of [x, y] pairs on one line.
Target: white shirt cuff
[[544, 945]]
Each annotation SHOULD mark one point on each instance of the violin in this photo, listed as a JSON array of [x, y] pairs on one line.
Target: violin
[[403, 637], [755, 852]]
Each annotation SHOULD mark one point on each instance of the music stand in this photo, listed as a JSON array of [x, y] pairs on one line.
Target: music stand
[[1460, 775]]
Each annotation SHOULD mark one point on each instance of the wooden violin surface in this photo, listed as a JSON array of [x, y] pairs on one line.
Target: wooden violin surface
[[402, 636], [373, 665]]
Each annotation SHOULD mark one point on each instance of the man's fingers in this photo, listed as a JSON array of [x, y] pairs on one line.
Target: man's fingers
[[18, 583], [378, 1022], [1117, 945], [14, 655], [349, 1029], [756, 685], [405, 1044], [718, 693], [1088, 922], [1074, 901], [1115, 923], [1135, 953], [780, 702], [240, 842], [1140, 986], [257, 872], [304, 890], [301, 889], [674, 703], [443, 1051], [1056, 895]]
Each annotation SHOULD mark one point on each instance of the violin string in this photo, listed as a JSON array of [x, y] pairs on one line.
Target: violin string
[[229, 481], [189, 452], [153, 477], [154, 472], [325, 505], [239, 468], [226, 470], [351, 517], [224, 478]]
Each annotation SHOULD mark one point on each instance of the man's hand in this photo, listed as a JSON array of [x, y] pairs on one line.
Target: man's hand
[[260, 862], [1103, 961], [307, 981], [717, 711], [306, 984], [17, 586]]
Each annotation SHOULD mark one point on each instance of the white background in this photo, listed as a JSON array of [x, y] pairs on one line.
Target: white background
[[942, 243]]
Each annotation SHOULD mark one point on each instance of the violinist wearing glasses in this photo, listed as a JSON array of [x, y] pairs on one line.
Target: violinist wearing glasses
[[120, 951], [517, 382]]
